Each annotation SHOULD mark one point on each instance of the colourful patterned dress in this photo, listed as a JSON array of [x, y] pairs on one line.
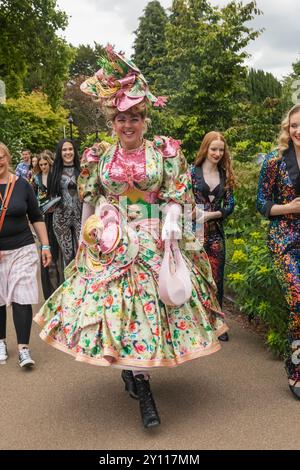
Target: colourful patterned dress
[[219, 199], [108, 310], [279, 183]]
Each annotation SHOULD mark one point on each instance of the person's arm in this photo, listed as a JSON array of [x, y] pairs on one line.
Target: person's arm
[[267, 185], [212, 215], [292, 207], [41, 231], [36, 218], [225, 210]]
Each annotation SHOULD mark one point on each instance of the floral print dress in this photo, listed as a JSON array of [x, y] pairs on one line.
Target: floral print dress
[[108, 310]]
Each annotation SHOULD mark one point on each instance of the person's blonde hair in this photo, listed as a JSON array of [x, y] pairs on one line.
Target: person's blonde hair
[[284, 135], [225, 161], [7, 154]]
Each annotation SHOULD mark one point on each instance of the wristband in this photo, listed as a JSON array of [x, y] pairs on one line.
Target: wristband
[[45, 247]]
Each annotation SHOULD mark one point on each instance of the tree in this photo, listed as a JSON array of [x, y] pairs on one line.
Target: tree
[[85, 62], [84, 110], [291, 87], [29, 121], [204, 73], [31, 54], [149, 43], [262, 85]]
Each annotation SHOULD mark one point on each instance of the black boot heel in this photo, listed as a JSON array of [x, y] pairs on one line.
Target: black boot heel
[[130, 385], [295, 390], [224, 337], [148, 408]]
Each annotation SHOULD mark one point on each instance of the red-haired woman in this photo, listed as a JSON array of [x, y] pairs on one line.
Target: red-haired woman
[[213, 181]]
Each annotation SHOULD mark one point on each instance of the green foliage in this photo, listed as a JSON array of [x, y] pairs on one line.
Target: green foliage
[[149, 43], [249, 268], [30, 122], [262, 85], [255, 128], [291, 87], [32, 56], [90, 140], [203, 71], [85, 61], [85, 110]]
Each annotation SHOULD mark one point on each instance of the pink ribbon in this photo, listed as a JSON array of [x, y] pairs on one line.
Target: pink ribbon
[[128, 80]]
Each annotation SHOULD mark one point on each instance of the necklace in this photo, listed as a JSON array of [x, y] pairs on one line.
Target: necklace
[[137, 149]]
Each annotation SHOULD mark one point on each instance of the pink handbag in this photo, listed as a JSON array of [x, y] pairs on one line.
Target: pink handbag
[[174, 283]]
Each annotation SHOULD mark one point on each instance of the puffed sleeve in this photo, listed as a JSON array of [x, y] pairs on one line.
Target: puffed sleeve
[[89, 185], [176, 185], [266, 184]]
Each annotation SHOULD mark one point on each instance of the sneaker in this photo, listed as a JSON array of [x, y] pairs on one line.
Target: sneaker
[[3, 352], [25, 359]]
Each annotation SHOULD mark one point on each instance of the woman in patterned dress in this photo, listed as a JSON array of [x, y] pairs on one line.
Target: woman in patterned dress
[[278, 199], [213, 181], [67, 214], [108, 311]]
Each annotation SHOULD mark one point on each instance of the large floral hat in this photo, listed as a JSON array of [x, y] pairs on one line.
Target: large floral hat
[[119, 84]]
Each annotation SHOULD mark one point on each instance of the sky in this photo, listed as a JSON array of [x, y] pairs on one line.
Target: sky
[[114, 21]]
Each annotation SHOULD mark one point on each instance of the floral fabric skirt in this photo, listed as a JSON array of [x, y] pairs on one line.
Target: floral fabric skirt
[[119, 320]]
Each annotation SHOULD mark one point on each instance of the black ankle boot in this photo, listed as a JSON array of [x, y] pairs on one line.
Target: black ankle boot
[[148, 409], [224, 337], [130, 385]]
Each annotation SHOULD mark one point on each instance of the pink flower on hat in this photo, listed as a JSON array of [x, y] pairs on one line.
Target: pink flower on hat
[[161, 101]]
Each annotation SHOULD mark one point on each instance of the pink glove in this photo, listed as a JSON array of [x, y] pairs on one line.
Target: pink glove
[[171, 229]]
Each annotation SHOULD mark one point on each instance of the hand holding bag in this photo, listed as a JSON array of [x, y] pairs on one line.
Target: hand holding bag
[[174, 283]]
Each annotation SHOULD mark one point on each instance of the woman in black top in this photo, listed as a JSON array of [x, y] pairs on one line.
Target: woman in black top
[[67, 215], [51, 276], [18, 256], [213, 181]]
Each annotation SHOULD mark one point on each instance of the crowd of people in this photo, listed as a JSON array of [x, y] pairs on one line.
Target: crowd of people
[[101, 233]]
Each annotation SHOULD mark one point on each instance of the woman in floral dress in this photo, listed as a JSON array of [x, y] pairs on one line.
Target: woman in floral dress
[[108, 311]]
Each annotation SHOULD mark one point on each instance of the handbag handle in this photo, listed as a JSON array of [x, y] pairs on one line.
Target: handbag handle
[[6, 199], [174, 284]]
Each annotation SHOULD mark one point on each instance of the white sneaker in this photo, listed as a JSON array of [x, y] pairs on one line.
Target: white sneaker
[[3, 352], [25, 360]]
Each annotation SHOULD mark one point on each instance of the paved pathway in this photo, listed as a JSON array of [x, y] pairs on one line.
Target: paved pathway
[[235, 399]]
